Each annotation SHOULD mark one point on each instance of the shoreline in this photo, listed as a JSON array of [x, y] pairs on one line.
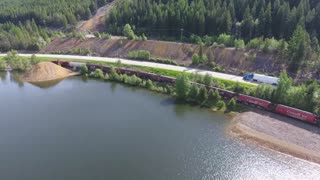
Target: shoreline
[[246, 130]]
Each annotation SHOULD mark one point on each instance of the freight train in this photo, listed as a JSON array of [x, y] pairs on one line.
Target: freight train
[[241, 98]]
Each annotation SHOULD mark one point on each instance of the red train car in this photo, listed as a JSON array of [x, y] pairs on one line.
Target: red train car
[[64, 64], [254, 101], [226, 94], [296, 113]]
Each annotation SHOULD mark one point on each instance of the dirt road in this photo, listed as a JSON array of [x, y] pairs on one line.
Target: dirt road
[[96, 22]]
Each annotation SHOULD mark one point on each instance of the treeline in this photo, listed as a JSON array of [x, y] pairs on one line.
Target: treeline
[[27, 36], [289, 27], [15, 62], [48, 13], [244, 19], [24, 23]]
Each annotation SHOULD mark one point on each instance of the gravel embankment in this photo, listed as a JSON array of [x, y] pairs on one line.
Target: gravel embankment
[[279, 133]]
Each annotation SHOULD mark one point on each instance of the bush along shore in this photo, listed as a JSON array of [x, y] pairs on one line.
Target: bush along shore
[[184, 91], [14, 62]]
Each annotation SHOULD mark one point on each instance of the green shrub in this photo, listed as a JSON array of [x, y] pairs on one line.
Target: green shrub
[[149, 84], [129, 33], [98, 73], [203, 95], [239, 44], [182, 86], [163, 61], [139, 54], [232, 104], [221, 105], [84, 69], [133, 80], [225, 39], [144, 37], [33, 60], [213, 97], [207, 80], [195, 59], [193, 93], [113, 75]]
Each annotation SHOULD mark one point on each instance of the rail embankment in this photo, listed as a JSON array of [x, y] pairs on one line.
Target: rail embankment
[[279, 133]]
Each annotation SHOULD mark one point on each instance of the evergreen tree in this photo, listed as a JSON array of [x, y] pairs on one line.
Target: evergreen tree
[[203, 95], [182, 86]]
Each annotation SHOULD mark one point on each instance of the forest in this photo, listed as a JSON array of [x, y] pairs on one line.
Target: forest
[[246, 19], [289, 27], [30, 24]]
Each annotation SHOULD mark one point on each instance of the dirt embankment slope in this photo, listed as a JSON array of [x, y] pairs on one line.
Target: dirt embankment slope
[[46, 71], [234, 61], [279, 133]]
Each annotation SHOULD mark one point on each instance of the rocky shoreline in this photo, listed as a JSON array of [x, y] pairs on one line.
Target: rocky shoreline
[[278, 133]]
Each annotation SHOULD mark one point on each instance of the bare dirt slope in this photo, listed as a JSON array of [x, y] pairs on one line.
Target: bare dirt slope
[[234, 61], [237, 62], [96, 22], [279, 133], [46, 71]]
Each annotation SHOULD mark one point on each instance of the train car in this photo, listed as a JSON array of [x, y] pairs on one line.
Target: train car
[[296, 113], [252, 101], [76, 64], [92, 67], [64, 64], [226, 94]]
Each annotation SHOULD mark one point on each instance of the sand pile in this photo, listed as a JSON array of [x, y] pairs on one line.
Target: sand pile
[[46, 71]]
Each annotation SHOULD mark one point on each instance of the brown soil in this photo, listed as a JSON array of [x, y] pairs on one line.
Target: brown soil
[[96, 22], [46, 71], [279, 133]]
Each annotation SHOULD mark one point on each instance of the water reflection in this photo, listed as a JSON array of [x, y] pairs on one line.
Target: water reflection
[[15, 77], [3, 76], [47, 84], [113, 87], [84, 78]]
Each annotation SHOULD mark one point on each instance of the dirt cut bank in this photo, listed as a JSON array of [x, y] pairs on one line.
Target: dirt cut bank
[[279, 133], [47, 71]]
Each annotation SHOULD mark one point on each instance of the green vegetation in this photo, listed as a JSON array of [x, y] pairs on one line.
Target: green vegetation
[[48, 13], [75, 51], [146, 56], [130, 80], [27, 24], [16, 62], [182, 86], [140, 55], [128, 32], [198, 94], [305, 96], [243, 19], [289, 27]]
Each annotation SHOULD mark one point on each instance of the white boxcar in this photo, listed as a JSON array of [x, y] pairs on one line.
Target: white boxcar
[[262, 78]]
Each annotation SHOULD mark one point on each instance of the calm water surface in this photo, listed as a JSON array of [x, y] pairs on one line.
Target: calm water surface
[[95, 130]]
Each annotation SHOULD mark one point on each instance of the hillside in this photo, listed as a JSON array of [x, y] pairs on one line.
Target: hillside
[[96, 22], [234, 61]]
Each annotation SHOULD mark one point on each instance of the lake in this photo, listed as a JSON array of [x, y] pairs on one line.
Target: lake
[[88, 129]]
